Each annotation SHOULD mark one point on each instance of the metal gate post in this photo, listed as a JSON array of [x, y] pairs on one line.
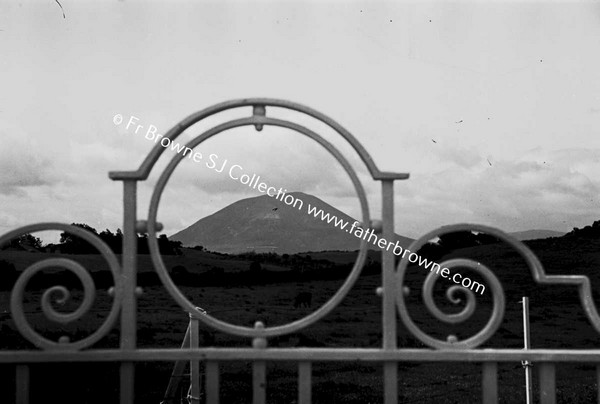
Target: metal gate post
[[129, 278]]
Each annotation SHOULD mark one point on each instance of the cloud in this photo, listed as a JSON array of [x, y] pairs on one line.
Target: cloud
[[8, 221], [554, 189], [23, 164], [462, 157], [279, 159]]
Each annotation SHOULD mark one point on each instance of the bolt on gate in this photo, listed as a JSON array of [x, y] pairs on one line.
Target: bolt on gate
[[393, 292]]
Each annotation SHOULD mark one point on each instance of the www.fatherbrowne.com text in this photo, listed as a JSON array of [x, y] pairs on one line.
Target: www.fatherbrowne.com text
[[236, 173]]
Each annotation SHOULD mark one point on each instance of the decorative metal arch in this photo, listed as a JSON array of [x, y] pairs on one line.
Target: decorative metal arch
[[258, 118]]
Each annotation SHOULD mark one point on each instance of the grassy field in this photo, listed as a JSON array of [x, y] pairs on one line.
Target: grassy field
[[557, 321]]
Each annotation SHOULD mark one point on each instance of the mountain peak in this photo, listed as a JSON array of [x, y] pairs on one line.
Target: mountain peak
[[267, 224]]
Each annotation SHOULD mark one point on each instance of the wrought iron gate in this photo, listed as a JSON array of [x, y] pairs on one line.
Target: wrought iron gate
[[392, 291]]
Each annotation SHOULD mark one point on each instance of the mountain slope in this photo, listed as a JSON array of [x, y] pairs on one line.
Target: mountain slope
[[536, 234], [265, 224]]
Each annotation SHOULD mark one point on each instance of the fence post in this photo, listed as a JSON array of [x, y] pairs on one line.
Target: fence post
[[527, 341]]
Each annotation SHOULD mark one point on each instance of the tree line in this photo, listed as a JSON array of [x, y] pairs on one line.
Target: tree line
[[71, 244]]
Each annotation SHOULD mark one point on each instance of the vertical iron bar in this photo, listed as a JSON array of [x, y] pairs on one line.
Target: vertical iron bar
[[388, 276], [212, 382], [390, 369], [390, 382], [304, 382], [489, 381], [194, 364], [129, 306], [22, 373], [527, 343], [547, 383], [259, 371], [598, 381]]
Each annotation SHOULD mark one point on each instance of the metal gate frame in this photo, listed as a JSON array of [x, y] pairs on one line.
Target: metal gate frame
[[392, 292]]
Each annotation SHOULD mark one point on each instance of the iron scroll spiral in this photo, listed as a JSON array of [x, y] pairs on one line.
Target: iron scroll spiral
[[492, 283], [61, 294]]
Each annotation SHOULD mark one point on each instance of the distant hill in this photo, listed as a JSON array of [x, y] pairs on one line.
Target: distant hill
[[265, 224], [536, 234]]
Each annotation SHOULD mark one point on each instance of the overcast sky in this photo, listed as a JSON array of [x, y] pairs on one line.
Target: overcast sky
[[493, 109]]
